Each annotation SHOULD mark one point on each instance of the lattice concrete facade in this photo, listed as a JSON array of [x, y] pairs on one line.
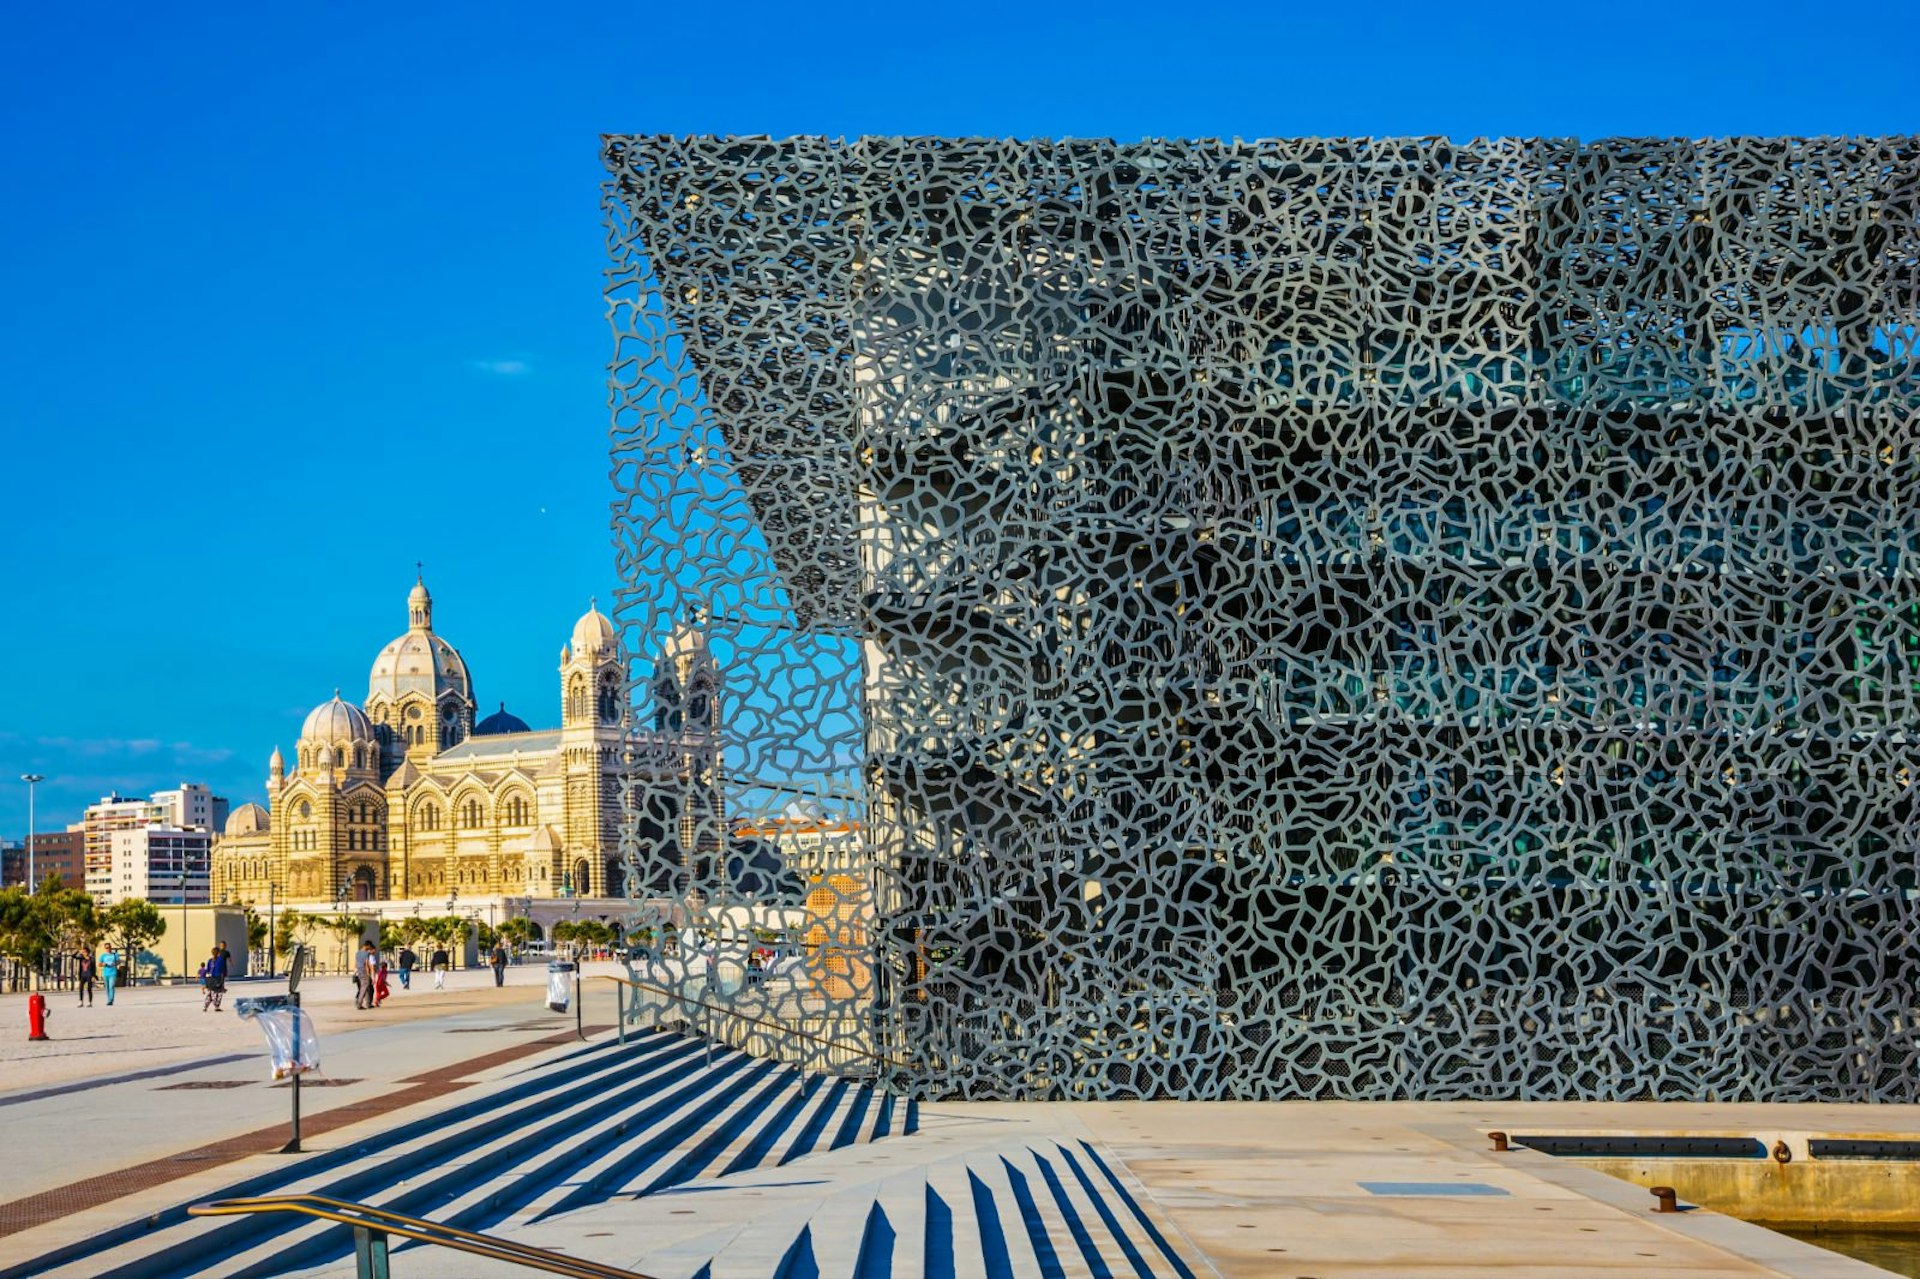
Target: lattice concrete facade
[[1378, 618]]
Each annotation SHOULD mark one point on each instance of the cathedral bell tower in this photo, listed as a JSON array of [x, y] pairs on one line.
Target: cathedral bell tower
[[687, 702], [593, 723]]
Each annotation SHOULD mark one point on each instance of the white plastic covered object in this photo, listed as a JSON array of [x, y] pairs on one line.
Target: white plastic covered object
[[559, 985], [292, 1046]]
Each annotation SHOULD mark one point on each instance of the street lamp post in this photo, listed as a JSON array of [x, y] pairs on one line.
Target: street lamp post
[[271, 938], [183, 914], [32, 780], [340, 905]]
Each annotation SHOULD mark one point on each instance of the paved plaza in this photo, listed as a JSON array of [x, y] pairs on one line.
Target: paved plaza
[[129, 1113]]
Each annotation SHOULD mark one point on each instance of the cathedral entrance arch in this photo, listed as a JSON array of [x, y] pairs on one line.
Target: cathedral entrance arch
[[582, 885], [616, 877], [363, 884]]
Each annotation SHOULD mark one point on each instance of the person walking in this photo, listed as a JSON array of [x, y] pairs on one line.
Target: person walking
[[368, 961], [499, 961], [407, 960], [380, 987], [439, 965], [109, 972], [213, 980], [84, 977]]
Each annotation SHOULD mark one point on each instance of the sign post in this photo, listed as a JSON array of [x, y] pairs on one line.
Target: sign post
[[295, 971]]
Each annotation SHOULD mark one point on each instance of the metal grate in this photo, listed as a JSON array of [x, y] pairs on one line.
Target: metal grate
[[1352, 617]]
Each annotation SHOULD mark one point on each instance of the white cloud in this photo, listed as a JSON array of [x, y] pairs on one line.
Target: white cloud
[[502, 368]]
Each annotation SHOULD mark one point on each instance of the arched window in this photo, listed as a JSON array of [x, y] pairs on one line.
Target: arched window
[[517, 811], [429, 818], [471, 814]]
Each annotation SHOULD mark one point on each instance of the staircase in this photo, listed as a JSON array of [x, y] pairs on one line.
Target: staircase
[[606, 1122], [991, 1205], [683, 1160]]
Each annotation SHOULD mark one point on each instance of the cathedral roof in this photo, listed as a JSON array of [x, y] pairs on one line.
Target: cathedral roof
[[248, 819], [500, 722], [419, 661], [498, 745], [336, 723]]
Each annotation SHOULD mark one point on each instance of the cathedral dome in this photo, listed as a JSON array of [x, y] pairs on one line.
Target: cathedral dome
[[337, 723], [248, 819], [500, 722], [593, 633], [419, 661]]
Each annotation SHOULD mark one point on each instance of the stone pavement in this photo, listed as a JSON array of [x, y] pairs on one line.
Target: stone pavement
[[1357, 1190], [154, 1080], [1304, 1190], [1309, 1190]]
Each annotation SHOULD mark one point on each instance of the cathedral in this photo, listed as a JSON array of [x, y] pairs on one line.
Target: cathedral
[[409, 796]]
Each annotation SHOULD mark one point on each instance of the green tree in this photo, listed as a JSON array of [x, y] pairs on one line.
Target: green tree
[[487, 936], [284, 929], [132, 925], [72, 922], [256, 930], [518, 931], [24, 935], [349, 929]]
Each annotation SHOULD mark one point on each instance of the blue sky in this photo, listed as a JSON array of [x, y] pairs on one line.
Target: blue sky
[[291, 297]]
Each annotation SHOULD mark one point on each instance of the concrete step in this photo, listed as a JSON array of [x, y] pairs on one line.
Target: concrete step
[[621, 1122], [507, 1174], [128, 1250]]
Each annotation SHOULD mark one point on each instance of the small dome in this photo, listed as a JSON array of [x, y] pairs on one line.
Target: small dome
[[337, 722], [500, 722], [248, 819], [594, 634]]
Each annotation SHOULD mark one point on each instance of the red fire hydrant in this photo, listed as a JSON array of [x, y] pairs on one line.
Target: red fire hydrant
[[36, 1016]]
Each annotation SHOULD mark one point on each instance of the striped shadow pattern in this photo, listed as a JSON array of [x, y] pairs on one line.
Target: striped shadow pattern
[[1020, 1205], [609, 1122]]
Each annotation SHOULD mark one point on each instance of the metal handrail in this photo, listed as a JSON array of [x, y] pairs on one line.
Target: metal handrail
[[372, 1225], [735, 1013]]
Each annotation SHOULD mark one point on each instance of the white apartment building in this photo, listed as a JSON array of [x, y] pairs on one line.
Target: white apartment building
[[161, 862], [189, 806]]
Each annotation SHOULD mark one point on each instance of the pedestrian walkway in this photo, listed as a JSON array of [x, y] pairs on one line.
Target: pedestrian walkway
[[151, 1026], [679, 1159], [161, 1081], [605, 1121]]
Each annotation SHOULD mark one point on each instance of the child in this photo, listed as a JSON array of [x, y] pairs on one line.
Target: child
[[380, 988]]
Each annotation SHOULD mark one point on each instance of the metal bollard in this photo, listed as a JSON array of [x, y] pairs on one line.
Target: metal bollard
[[370, 1253], [1499, 1140], [1666, 1199]]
